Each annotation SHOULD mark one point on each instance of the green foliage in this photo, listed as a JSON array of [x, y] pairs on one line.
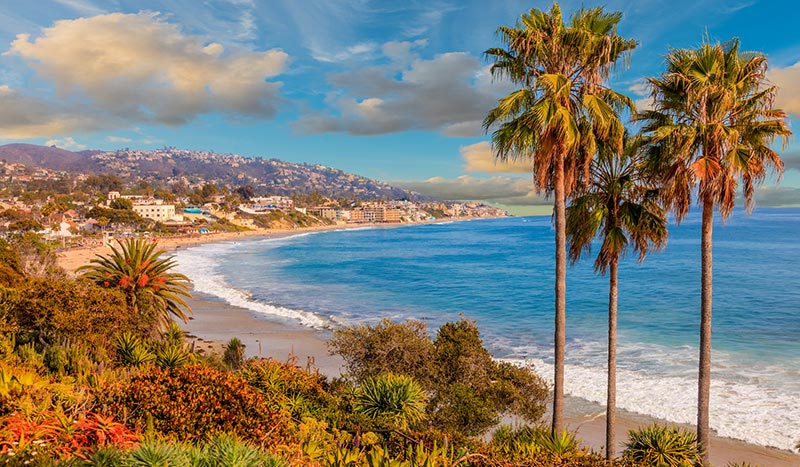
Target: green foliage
[[158, 454], [468, 388], [132, 351], [289, 389], [117, 216], [172, 356], [192, 402], [121, 204], [387, 347], [50, 310], [227, 451], [396, 399], [234, 354], [662, 446], [137, 268]]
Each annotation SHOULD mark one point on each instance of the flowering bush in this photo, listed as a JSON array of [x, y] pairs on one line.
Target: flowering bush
[[53, 435], [194, 402]]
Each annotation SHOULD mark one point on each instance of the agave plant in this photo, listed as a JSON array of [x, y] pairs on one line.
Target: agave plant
[[662, 446], [132, 351], [397, 398], [225, 450], [158, 454], [172, 356], [138, 268]]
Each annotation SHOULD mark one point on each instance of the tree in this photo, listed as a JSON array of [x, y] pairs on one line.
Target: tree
[[246, 192], [468, 388], [136, 267], [620, 206], [711, 127], [556, 118], [121, 204]]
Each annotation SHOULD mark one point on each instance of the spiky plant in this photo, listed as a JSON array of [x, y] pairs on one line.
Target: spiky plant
[[396, 398], [137, 267], [225, 450], [157, 454], [662, 446], [132, 351], [172, 356], [234, 353]]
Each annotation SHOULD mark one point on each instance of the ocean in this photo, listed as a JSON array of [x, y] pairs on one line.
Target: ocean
[[499, 272]]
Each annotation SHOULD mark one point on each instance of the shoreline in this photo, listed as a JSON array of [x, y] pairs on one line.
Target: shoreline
[[215, 322]]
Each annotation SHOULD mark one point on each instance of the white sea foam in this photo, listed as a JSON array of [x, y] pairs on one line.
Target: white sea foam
[[200, 265], [741, 407]]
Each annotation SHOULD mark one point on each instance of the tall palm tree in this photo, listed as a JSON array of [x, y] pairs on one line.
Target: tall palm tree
[[620, 207], [712, 127], [138, 268], [556, 118]]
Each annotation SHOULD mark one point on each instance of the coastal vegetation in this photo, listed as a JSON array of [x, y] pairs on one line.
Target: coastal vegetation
[[86, 381], [95, 370], [137, 267]]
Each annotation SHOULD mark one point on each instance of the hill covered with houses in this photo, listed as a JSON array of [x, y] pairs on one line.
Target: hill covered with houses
[[170, 166]]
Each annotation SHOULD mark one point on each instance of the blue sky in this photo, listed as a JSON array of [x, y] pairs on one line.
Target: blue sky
[[390, 90]]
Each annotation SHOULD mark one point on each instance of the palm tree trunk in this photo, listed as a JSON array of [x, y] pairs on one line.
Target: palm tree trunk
[[611, 395], [704, 378], [561, 294]]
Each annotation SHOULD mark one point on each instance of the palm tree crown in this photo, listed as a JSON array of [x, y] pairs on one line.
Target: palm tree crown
[[619, 205], [139, 269], [713, 125], [563, 107]]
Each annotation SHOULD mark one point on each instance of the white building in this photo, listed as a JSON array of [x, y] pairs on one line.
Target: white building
[[157, 212]]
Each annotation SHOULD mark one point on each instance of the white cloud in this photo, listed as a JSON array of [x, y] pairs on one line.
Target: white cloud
[[449, 93], [118, 139], [480, 158], [66, 143], [788, 81], [138, 68], [510, 191]]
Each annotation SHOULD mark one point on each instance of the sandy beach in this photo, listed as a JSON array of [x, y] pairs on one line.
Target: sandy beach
[[217, 322]]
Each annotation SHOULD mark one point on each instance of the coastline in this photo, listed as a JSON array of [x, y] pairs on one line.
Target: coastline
[[215, 322]]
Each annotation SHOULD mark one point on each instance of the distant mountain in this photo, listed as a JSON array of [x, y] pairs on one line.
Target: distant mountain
[[42, 156], [170, 165]]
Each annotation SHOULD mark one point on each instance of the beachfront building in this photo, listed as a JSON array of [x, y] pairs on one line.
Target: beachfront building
[[157, 211], [374, 214], [146, 206]]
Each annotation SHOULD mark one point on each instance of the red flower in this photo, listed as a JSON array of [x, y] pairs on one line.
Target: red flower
[[106, 284]]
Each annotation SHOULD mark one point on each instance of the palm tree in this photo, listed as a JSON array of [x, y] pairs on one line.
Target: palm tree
[[556, 118], [620, 206], [138, 268], [712, 127]]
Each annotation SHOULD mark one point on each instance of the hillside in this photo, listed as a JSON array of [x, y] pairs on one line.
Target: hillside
[[170, 165]]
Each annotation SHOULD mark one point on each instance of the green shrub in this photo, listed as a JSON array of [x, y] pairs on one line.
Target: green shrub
[[194, 402], [387, 347], [468, 388], [290, 389], [51, 310], [396, 399], [662, 446]]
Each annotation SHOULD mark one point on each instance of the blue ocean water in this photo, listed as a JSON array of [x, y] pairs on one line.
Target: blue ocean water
[[499, 272]]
